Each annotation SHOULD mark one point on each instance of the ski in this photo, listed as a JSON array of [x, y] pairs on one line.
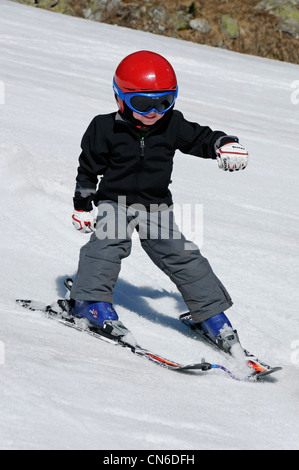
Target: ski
[[54, 311], [61, 312], [260, 369]]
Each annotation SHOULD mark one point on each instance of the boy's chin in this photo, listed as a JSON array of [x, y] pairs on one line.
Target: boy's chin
[[147, 120]]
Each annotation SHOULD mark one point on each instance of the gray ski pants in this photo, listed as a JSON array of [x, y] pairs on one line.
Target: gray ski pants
[[100, 259]]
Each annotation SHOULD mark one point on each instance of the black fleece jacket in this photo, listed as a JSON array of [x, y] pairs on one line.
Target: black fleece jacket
[[134, 163]]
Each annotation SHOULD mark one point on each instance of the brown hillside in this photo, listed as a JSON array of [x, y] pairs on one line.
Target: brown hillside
[[257, 30]]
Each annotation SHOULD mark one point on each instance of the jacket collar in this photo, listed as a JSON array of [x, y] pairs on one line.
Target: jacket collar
[[121, 120]]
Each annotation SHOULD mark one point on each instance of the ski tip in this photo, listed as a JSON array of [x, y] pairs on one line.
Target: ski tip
[[266, 373]]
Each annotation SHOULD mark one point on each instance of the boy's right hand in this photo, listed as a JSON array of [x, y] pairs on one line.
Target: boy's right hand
[[84, 221]]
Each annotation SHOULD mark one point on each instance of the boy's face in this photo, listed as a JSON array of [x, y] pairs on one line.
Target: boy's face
[[148, 119]]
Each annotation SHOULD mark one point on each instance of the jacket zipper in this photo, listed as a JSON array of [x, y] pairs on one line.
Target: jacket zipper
[[140, 158], [142, 147]]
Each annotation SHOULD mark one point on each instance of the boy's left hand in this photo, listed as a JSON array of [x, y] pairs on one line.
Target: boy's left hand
[[232, 156]]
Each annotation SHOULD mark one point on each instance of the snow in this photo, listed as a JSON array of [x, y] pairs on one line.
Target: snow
[[61, 389]]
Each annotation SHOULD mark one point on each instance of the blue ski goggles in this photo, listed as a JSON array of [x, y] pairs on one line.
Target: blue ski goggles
[[145, 103]]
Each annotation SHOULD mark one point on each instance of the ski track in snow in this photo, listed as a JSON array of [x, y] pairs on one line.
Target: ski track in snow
[[64, 390]]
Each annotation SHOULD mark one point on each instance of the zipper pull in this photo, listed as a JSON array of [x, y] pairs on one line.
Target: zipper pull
[[142, 146]]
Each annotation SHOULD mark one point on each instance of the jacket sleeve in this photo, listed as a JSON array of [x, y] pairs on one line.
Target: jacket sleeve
[[92, 162], [194, 139]]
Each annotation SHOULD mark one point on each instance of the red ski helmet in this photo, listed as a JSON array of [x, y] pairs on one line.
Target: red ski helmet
[[144, 72]]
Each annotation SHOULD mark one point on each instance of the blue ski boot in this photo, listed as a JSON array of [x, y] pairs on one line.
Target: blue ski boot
[[219, 329], [103, 316], [96, 312]]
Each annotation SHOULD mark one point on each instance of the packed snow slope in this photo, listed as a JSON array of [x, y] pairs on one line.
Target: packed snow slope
[[61, 389]]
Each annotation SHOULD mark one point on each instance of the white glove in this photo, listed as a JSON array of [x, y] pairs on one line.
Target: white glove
[[232, 157], [84, 221]]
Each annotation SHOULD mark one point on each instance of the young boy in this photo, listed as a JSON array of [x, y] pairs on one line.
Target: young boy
[[132, 150]]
